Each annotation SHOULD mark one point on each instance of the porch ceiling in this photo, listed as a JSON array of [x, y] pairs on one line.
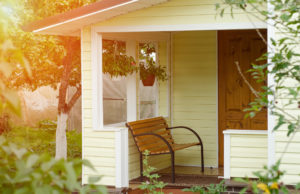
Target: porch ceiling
[[70, 23]]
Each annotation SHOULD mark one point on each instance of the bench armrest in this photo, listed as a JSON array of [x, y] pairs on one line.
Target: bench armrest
[[193, 131], [159, 136]]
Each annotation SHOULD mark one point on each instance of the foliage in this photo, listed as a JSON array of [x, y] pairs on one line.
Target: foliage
[[42, 140], [47, 124], [283, 66], [11, 56], [115, 61], [268, 181], [55, 60], [284, 63], [152, 185], [211, 189], [149, 67], [22, 172], [74, 144]]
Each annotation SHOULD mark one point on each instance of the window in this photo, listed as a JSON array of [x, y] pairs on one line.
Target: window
[[114, 88], [153, 100]]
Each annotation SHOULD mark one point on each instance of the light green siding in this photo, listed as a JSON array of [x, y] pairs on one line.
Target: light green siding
[[195, 94], [288, 148], [248, 153], [98, 147], [179, 12]]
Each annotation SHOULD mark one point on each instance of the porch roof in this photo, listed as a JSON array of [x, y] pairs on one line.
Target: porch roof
[[70, 23]]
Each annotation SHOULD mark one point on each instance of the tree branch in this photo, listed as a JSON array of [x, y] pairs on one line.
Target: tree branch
[[62, 106], [74, 99], [246, 81]]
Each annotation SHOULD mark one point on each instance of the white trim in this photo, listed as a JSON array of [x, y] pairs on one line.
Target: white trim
[[182, 27], [245, 132], [227, 155], [97, 82], [82, 109], [131, 85], [271, 118], [84, 16], [121, 146]]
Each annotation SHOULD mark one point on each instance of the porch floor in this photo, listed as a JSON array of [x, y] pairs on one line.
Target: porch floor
[[187, 176]]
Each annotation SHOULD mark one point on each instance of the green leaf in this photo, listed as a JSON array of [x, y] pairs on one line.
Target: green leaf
[[71, 177], [94, 179], [31, 160], [285, 17], [222, 12], [18, 152]]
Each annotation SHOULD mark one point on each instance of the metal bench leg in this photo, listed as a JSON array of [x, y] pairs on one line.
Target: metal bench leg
[[202, 158], [141, 167], [173, 166]]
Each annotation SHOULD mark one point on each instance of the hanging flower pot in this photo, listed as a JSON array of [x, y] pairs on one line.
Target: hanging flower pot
[[149, 81]]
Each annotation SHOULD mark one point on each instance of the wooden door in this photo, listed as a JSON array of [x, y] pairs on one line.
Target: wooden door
[[242, 47]]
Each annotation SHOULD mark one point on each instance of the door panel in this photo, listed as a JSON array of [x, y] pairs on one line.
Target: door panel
[[240, 47]]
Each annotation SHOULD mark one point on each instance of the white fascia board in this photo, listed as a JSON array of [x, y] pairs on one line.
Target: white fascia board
[[84, 16]]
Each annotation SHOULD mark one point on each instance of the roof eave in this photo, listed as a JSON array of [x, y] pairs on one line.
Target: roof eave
[[70, 23]]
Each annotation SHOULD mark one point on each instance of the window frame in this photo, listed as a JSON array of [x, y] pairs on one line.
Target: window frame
[[97, 79]]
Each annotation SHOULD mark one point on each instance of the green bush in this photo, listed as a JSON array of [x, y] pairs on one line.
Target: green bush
[[23, 172], [42, 140], [211, 189], [152, 185]]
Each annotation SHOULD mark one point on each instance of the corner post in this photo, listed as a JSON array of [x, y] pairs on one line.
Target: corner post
[[97, 85], [226, 155]]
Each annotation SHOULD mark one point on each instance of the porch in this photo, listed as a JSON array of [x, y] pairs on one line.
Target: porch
[[187, 176], [190, 97]]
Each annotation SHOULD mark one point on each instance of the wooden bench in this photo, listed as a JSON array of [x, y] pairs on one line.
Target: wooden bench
[[155, 136]]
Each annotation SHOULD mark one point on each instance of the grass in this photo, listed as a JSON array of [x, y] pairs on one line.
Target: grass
[[41, 140]]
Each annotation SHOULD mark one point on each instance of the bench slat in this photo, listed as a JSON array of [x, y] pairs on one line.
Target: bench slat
[[133, 123], [149, 129]]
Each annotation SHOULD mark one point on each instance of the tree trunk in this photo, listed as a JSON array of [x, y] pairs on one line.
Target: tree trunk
[[61, 137], [64, 107]]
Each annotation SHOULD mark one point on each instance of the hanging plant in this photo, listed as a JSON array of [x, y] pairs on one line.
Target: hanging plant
[[115, 61], [149, 70]]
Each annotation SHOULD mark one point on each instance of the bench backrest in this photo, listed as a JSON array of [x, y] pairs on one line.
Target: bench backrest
[[157, 125]]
